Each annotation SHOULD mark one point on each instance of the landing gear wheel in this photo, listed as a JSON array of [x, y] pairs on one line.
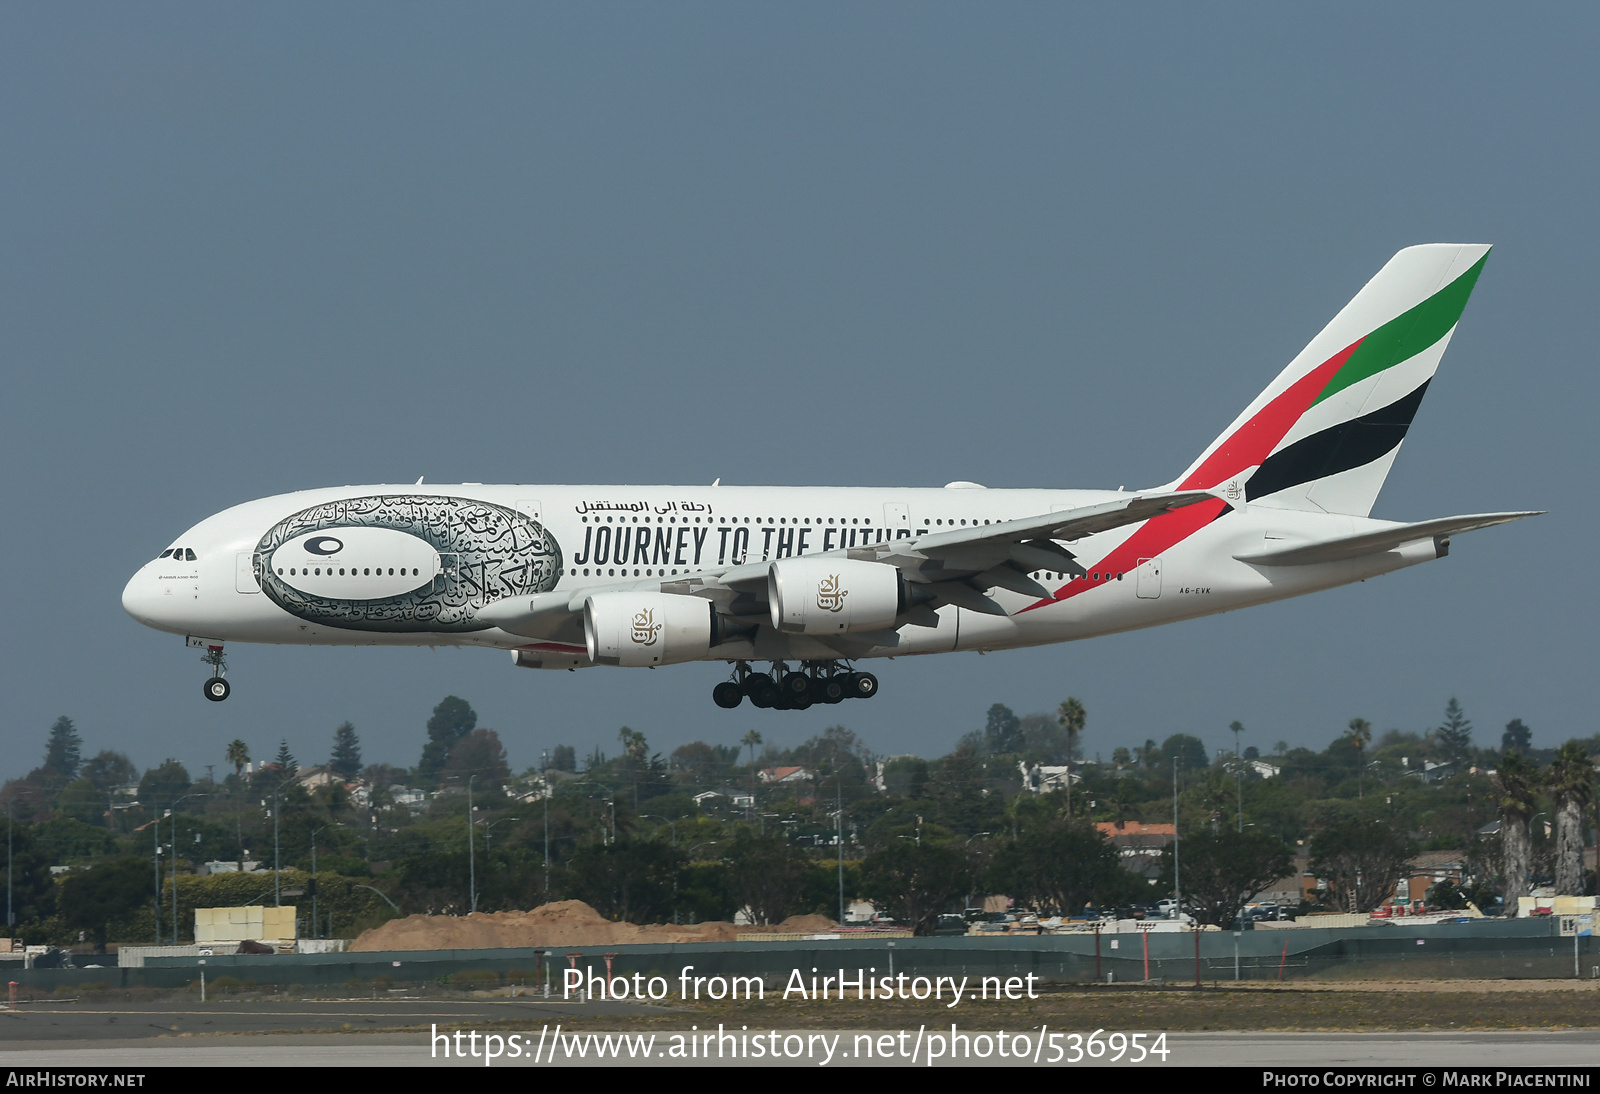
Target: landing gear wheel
[[833, 690], [727, 695], [863, 685], [761, 690], [796, 684], [217, 689]]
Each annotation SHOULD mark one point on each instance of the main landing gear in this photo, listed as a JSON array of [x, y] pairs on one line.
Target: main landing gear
[[217, 688], [784, 689]]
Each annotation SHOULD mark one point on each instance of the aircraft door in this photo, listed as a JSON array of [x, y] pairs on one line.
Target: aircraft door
[[244, 573], [1148, 577], [897, 518]]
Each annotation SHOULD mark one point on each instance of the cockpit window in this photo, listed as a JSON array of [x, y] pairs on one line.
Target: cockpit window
[[188, 554], [165, 554]]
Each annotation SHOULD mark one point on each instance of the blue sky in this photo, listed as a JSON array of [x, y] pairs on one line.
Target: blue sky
[[250, 249]]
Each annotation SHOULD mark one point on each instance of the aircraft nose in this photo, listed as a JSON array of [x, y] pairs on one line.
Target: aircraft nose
[[146, 600]]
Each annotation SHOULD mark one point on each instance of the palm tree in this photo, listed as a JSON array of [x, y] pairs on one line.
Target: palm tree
[[238, 755], [1571, 778], [1519, 782], [1072, 718], [1360, 732]]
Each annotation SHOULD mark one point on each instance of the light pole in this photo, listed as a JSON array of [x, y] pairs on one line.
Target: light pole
[[1177, 891], [838, 831], [546, 759], [171, 813], [964, 847], [1238, 770], [277, 889], [670, 823], [472, 858], [674, 826], [155, 835], [314, 832]]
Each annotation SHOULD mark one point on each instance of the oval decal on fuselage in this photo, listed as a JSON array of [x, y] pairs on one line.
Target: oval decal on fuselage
[[365, 564], [463, 554]]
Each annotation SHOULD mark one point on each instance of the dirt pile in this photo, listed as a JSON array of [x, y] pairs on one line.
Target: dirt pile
[[563, 923]]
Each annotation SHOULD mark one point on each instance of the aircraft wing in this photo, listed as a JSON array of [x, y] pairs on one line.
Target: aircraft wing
[[952, 567], [960, 565]]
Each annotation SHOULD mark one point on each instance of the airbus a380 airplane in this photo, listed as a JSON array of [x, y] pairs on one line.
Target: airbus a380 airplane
[[812, 579]]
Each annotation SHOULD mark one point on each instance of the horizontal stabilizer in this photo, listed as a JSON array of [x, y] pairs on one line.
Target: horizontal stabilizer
[[1385, 539]]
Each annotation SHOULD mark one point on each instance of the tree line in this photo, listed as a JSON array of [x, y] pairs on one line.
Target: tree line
[[711, 829]]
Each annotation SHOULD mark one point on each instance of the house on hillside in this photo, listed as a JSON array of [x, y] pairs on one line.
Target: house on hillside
[[1046, 778], [1431, 868], [1430, 772], [1300, 887], [1139, 845], [530, 788], [316, 778], [737, 799], [782, 776]]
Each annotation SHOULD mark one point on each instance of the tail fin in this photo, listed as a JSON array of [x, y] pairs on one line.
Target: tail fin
[[1323, 435]]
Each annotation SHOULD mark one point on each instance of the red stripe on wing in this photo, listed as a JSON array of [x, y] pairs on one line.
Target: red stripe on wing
[[1154, 536]]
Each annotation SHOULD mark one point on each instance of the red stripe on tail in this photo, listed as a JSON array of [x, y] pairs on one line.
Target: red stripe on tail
[[1254, 441]]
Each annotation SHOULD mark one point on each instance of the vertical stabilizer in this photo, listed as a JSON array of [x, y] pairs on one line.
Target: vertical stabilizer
[[1323, 435]]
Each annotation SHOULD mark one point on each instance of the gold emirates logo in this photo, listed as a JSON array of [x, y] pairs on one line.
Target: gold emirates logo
[[645, 628], [830, 598]]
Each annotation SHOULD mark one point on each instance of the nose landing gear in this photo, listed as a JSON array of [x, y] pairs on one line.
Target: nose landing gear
[[782, 689], [217, 688]]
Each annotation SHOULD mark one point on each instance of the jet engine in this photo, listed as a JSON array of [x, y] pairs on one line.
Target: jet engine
[[633, 629], [832, 595]]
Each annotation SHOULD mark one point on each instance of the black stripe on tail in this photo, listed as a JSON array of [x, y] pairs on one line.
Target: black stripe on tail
[[1338, 448]]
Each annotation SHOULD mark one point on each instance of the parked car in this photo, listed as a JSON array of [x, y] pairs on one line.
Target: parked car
[[1265, 910], [950, 923]]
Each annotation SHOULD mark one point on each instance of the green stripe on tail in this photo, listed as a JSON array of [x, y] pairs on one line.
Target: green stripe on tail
[[1406, 335]]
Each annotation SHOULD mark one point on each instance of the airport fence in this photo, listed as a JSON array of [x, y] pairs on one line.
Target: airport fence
[[1480, 949]]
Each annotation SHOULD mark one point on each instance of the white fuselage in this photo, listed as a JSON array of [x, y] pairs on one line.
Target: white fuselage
[[633, 537]]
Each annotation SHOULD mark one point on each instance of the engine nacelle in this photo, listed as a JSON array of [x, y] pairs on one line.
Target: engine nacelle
[[833, 595], [634, 629]]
